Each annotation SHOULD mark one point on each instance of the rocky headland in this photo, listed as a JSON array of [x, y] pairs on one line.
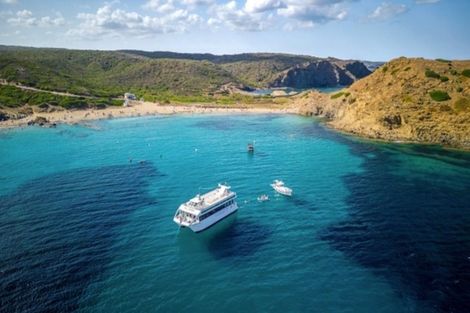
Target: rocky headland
[[417, 100], [322, 73]]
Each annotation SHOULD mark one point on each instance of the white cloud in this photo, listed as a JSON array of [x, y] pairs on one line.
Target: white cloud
[[197, 2], [255, 6], [108, 21], [311, 12], [387, 11], [26, 18], [257, 15], [237, 18], [160, 6], [426, 1]]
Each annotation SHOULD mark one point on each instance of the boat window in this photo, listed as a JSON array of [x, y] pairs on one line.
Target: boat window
[[222, 206]]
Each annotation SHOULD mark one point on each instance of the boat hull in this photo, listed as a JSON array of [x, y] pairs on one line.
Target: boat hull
[[213, 219], [283, 191]]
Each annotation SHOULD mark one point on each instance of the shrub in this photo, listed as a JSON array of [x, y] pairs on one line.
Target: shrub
[[443, 60], [462, 104], [459, 89], [74, 103], [445, 108], [337, 95], [408, 68], [444, 78], [431, 74], [466, 73], [407, 99], [385, 68], [439, 95]]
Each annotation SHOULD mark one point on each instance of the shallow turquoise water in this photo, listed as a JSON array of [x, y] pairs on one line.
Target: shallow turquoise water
[[86, 220]]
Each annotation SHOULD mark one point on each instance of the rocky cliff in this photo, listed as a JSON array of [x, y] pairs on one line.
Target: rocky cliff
[[321, 73], [404, 100]]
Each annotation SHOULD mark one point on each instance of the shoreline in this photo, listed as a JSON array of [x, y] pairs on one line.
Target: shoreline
[[397, 141], [136, 109], [142, 109]]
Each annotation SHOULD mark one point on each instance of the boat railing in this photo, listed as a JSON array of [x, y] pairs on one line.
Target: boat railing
[[183, 218]]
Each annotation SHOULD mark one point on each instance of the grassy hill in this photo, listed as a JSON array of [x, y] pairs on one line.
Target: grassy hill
[[104, 73], [258, 69], [111, 73], [405, 99], [157, 76]]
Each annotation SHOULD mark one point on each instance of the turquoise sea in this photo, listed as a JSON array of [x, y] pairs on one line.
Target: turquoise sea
[[86, 219]]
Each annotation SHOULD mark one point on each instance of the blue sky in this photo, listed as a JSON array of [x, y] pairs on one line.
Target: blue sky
[[356, 29]]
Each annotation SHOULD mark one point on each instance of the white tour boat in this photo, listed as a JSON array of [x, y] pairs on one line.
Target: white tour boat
[[204, 211], [279, 186]]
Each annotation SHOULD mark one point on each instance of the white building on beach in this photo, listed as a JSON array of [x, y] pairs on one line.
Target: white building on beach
[[129, 97]]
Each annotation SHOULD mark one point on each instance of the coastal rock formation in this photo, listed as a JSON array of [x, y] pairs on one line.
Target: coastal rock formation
[[358, 69], [4, 116], [404, 100], [39, 120], [324, 73]]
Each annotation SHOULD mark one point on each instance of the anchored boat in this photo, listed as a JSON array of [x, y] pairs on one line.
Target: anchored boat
[[279, 186], [205, 210]]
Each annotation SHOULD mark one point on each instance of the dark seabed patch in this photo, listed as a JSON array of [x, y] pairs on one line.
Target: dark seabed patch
[[239, 239], [412, 230], [222, 123], [229, 122], [268, 117], [58, 233], [72, 134]]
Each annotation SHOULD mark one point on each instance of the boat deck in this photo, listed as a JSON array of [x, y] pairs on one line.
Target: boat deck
[[208, 199]]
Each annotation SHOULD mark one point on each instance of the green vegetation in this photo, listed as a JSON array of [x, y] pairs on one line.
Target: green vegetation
[[259, 73], [407, 99], [339, 94], [444, 78], [157, 76], [462, 104], [431, 74], [385, 68], [12, 97], [439, 95], [466, 73], [443, 60], [459, 89], [108, 74]]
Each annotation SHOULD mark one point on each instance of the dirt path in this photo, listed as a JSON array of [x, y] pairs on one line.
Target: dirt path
[[58, 93]]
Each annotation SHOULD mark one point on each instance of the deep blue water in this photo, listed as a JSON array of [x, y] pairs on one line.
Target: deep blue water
[[86, 219]]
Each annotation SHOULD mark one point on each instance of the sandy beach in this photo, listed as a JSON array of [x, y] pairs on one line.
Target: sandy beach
[[137, 109]]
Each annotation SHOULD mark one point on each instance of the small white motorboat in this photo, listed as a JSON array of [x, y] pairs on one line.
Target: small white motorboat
[[263, 198], [279, 186]]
